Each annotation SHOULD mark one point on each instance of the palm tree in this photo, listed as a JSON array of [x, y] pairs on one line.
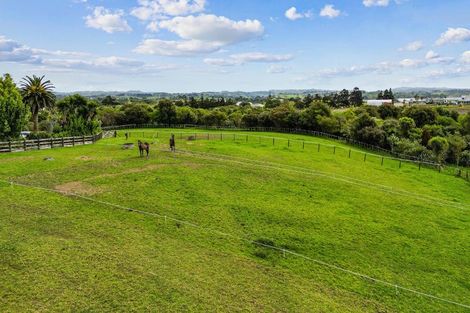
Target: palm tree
[[38, 94]]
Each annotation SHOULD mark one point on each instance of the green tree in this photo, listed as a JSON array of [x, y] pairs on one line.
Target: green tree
[[167, 111], [406, 125], [108, 100], [356, 98], [185, 115], [465, 123], [79, 115], [456, 145], [439, 147], [37, 93], [13, 112]]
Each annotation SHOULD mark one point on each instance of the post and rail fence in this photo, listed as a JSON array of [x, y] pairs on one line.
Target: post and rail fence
[[48, 143]]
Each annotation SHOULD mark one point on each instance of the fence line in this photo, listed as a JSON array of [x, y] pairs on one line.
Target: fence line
[[419, 164], [271, 129], [48, 143], [346, 179], [254, 242]]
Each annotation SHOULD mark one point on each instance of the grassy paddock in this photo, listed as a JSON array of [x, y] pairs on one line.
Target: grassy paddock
[[63, 253]]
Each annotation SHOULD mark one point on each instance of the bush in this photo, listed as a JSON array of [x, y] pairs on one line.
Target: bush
[[39, 135]]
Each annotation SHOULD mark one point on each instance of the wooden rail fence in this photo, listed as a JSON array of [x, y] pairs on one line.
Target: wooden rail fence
[[47, 143]]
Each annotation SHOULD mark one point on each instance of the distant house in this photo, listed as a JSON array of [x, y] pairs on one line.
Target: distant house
[[378, 102], [253, 105], [458, 100]]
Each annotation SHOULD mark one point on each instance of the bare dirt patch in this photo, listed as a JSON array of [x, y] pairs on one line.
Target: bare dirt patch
[[79, 188]]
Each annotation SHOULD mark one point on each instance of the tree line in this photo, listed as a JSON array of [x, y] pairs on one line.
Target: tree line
[[33, 106], [430, 133]]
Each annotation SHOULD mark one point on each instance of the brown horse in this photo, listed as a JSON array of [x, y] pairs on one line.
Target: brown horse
[[144, 147]]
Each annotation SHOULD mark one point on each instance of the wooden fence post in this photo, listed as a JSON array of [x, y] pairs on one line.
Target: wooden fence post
[[9, 145], [334, 150], [73, 141], [221, 136], [365, 157], [349, 153], [382, 161], [52, 143], [288, 143], [63, 142], [246, 138], [83, 139], [24, 144], [400, 164], [318, 147], [39, 144], [303, 144], [419, 164], [273, 141]]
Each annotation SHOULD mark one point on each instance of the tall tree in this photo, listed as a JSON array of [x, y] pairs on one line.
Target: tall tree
[[13, 113], [37, 93], [356, 98]]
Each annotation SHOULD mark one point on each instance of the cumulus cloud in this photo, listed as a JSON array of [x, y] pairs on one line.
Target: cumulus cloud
[[250, 57], [376, 3], [201, 34], [454, 35], [213, 28], [292, 14], [466, 57], [413, 46], [107, 20], [157, 9], [329, 11]]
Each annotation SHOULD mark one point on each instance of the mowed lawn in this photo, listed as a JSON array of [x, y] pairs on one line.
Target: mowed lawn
[[59, 253]]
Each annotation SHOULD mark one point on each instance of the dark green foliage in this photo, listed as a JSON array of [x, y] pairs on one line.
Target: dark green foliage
[[79, 115], [356, 98], [136, 114], [166, 112], [13, 113], [421, 115]]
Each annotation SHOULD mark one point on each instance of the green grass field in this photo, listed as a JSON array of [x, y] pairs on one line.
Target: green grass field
[[190, 248]]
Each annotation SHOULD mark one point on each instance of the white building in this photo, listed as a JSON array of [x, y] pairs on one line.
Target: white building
[[378, 102]]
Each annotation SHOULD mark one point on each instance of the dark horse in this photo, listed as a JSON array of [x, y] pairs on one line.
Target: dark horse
[[144, 146]]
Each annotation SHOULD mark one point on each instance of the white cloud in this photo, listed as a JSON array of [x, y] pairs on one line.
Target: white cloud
[[212, 28], [292, 14], [329, 11], [411, 63], [200, 34], [176, 48], [250, 57], [157, 9], [376, 3], [14, 52], [107, 20], [413, 46], [454, 35], [466, 57], [153, 26], [430, 55]]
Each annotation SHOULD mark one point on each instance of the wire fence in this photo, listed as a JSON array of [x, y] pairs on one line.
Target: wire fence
[[311, 146], [278, 130], [285, 252]]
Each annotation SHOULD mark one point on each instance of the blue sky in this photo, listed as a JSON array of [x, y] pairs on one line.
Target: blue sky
[[213, 45]]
